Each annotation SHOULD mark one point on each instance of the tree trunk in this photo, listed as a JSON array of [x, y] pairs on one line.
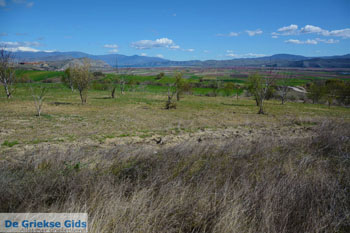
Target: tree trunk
[[178, 96], [83, 99], [256, 101], [113, 92], [261, 108], [8, 93]]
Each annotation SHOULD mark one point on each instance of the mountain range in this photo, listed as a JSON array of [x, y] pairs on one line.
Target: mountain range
[[278, 60]]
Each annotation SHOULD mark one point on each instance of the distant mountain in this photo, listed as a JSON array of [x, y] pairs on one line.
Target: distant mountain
[[110, 59], [277, 60], [322, 63]]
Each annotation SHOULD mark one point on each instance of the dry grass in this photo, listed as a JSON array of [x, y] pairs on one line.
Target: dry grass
[[139, 114], [271, 184]]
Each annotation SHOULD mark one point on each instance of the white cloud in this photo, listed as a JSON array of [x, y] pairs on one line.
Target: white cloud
[[174, 47], [308, 41], [111, 46], [311, 29], [20, 46], [254, 32], [345, 33], [231, 34], [188, 50], [287, 30], [329, 41], [2, 3], [143, 54], [312, 41], [160, 56], [28, 4], [22, 49], [274, 37], [158, 43], [205, 51], [246, 55], [294, 41]]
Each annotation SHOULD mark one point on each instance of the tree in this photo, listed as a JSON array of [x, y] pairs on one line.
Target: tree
[[160, 76], [67, 78], [81, 79], [171, 92], [259, 87], [229, 88], [39, 96], [334, 88], [283, 88], [216, 87], [179, 84], [316, 91], [7, 72]]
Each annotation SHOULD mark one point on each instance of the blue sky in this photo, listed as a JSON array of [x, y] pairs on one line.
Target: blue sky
[[178, 30]]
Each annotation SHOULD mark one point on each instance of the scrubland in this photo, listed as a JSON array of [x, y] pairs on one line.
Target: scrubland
[[211, 165]]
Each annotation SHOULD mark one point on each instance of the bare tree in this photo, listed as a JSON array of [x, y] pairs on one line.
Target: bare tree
[[39, 97], [7, 72], [259, 87], [283, 88], [114, 87], [82, 78], [122, 80], [172, 90]]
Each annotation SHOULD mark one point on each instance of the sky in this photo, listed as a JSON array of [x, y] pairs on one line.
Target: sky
[[178, 30]]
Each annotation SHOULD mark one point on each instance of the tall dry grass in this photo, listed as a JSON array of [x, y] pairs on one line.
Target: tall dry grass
[[268, 185]]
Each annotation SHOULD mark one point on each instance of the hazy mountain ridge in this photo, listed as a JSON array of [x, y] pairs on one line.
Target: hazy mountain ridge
[[279, 60]]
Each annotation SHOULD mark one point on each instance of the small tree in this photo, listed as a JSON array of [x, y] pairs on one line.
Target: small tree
[[7, 72], [334, 88], [283, 88], [160, 76], [229, 88], [179, 83], [67, 78], [259, 87], [39, 96], [216, 87], [81, 79], [171, 92], [316, 91]]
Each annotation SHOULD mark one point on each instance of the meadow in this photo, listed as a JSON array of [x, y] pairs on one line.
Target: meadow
[[210, 165]]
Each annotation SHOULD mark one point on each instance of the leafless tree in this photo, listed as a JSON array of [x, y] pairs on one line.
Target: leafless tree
[[259, 87], [172, 90], [122, 80], [82, 78], [7, 72], [283, 87], [114, 87], [39, 97]]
